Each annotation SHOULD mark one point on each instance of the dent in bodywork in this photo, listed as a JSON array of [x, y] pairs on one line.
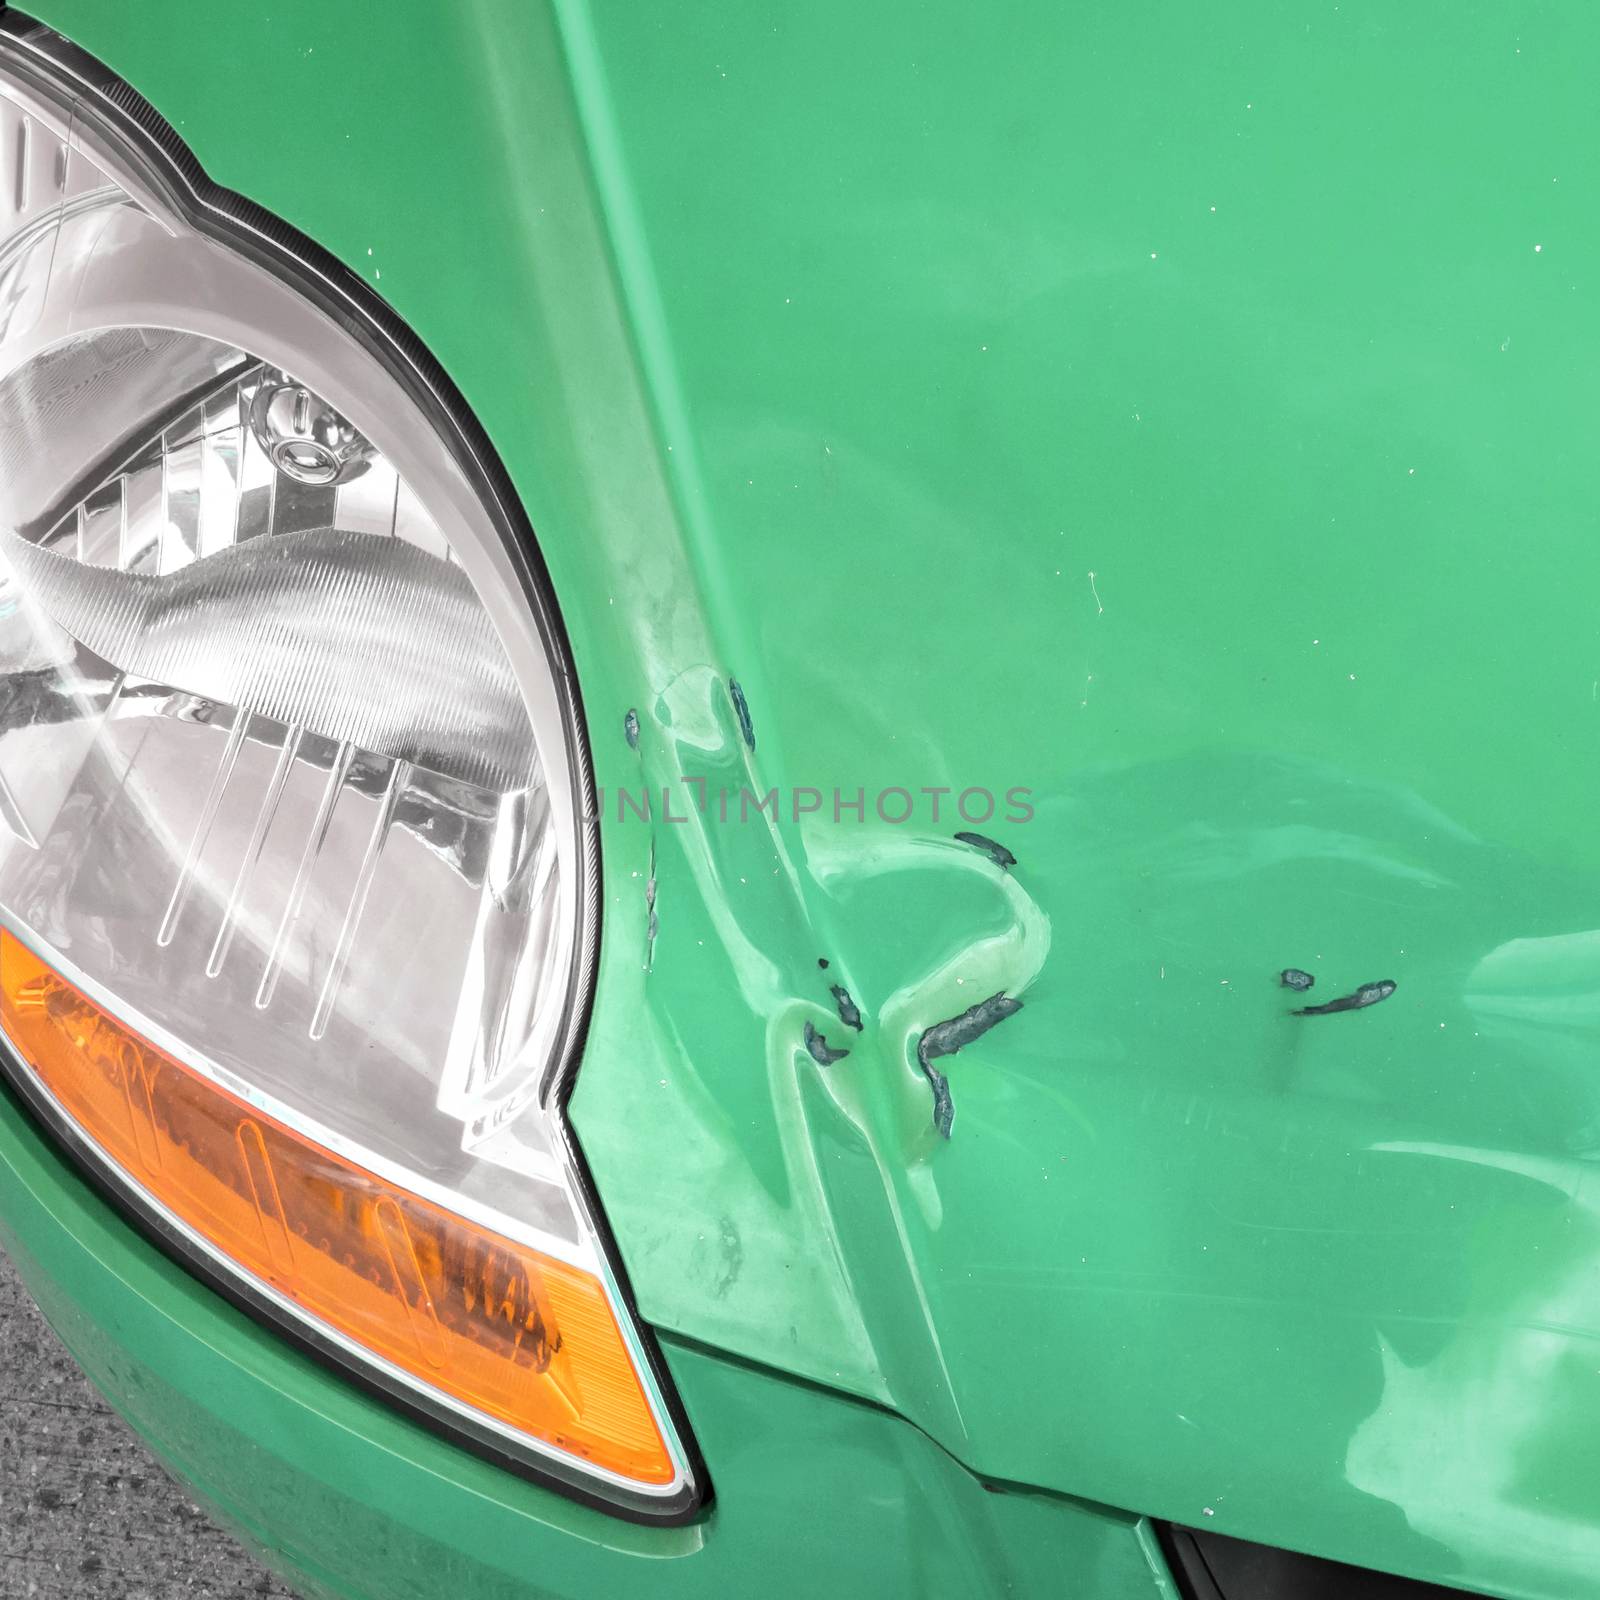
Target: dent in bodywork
[[962, 928], [849, 1011], [1369, 994], [947, 1038], [821, 1052], [741, 709], [995, 851], [739, 930], [1246, 1249]]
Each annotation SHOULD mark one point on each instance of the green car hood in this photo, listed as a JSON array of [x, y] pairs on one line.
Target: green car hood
[[1187, 418]]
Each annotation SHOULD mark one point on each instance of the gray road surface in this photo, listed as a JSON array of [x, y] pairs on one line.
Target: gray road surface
[[85, 1511]]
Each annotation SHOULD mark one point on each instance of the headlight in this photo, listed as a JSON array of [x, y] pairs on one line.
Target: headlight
[[296, 894]]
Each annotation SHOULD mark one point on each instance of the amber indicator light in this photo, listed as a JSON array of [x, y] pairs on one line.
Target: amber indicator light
[[528, 1340]]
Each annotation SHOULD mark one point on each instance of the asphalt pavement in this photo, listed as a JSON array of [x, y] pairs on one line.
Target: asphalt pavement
[[86, 1513]]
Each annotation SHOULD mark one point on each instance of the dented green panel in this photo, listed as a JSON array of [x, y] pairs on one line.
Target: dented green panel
[[352, 1500], [1186, 416]]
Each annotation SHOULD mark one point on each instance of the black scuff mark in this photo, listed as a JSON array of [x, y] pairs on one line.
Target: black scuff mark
[[1369, 994], [1296, 979], [849, 1011], [741, 709], [821, 1052], [822, 961], [630, 726], [992, 848], [946, 1038]]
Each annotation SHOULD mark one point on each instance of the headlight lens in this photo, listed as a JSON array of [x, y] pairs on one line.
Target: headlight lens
[[294, 876]]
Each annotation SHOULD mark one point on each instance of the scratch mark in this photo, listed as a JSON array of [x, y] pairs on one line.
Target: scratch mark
[[820, 1052], [741, 709], [653, 922], [1369, 994], [1099, 609], [849, 1011], [1294, 978], [946, 1038], [997, 853]]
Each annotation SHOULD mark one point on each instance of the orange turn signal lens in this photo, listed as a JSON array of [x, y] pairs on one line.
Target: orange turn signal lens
[[528, 1340]]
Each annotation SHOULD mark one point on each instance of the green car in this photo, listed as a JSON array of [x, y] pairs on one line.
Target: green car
[[801, 799]]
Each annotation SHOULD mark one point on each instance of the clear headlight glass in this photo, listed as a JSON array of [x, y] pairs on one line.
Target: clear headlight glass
[[293, 871]]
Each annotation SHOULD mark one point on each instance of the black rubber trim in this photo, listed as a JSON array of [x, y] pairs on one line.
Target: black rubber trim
[[1213, 1566], [121, 114]]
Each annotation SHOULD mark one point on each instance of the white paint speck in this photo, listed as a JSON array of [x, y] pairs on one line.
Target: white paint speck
[[1537, 248]]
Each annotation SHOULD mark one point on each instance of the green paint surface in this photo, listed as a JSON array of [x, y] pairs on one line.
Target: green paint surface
[[1187, 416], [351, 1499]]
